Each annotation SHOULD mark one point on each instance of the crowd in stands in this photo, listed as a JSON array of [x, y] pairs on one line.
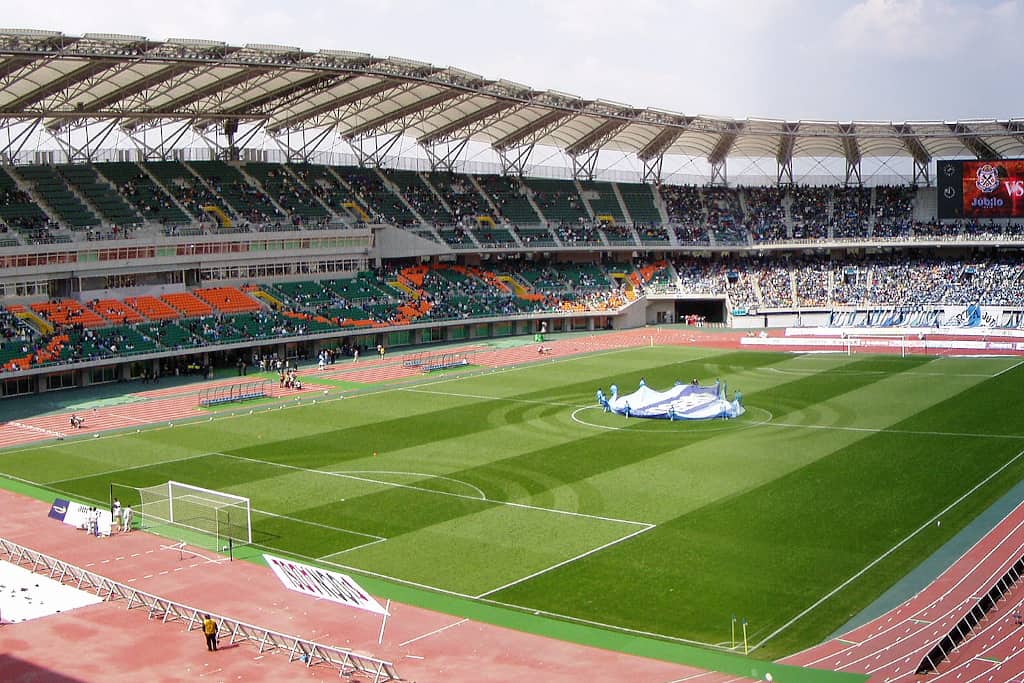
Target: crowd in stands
[[518, 212], [766, 213], [107, 328]]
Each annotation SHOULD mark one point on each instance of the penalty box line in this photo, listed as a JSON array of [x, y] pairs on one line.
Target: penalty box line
[[563, 563], [490, 501]]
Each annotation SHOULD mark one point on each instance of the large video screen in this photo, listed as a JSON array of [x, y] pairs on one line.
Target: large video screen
[[981, 189]]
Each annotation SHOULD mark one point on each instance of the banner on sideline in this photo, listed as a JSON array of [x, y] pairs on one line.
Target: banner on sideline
[[322, 583], [77, 515]]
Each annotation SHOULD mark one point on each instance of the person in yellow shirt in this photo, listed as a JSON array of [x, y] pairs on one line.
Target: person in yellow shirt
[[210, 630]]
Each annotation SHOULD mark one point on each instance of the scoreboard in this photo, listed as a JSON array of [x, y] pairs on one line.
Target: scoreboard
[[981, 189]]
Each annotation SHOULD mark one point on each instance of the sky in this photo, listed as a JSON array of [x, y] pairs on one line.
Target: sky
[[889, 60]]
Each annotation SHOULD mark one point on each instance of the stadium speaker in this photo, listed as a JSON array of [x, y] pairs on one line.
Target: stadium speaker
[[230, 127]]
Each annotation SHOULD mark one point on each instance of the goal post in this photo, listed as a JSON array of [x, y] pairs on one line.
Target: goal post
[[225, 517], [877, 343]]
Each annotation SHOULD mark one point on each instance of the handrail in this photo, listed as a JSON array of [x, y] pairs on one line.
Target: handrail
[[309, 652]]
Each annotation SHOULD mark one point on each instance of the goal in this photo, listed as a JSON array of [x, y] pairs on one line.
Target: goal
[[225, 517], [877, 343]]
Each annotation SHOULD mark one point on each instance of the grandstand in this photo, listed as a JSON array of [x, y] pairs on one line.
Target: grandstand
[[135, 262]]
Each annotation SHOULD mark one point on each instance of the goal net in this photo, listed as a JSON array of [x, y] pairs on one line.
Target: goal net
[[877, 343], [224, 516]]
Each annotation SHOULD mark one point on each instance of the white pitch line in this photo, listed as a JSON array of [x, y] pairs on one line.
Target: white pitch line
[[1017, 364], [323, 558], [887, 553], [463, 496], [433, 633], [564, 562]]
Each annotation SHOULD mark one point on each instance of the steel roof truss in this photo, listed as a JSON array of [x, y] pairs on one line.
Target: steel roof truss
[[974, 142], [313, 114], [534, 130], [469, 125], [381, 122], [784, 155], [309, 140], [170, 133], [91, 140], [17, 132], [54, 86], [513, 159], [372, 150], [444, 155], [96, 106]]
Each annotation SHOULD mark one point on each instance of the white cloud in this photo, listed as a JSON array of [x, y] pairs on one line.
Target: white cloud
[[918, 29]]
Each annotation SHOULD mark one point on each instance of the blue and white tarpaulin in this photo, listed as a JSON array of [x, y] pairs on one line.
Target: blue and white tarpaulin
[[681, 402]]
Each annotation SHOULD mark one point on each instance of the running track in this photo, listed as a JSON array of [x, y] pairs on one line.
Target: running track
[[888, 649]]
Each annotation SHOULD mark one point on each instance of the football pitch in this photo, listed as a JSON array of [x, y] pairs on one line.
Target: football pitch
[[512, 488]]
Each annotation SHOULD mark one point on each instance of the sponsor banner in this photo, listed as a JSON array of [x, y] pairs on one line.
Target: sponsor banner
[[59, 509], [77, 515], [322, 583]]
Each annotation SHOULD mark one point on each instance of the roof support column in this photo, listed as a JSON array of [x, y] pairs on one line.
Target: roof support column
[[305, 145], [90, 139], [233, 149], [513, 159], [784, 155], [652, 169], [853, 172], [371, 150], [444, 155], [16, 139], [584, 165], [719, 173], [922, 173], [170, 133]]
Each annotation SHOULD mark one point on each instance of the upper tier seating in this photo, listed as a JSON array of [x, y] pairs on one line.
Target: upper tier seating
[[507, 194], [140, 191], [54, 191], [639, 201], [188, 304], [328, 188], [112, 207], [602, 199], [67, 312], [152, 308], [558, 200], [18, 209], [245, 199], [384, 204], [421, 197], [228, 299], [461, 195], [289, 193], [189, 190]]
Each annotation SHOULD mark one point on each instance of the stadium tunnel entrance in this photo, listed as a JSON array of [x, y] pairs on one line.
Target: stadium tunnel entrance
[[711, 310]]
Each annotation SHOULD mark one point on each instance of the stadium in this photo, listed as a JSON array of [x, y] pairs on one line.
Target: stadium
[[232, 302]]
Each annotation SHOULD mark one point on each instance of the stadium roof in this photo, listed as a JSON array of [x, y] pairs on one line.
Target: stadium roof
[[65, 82]]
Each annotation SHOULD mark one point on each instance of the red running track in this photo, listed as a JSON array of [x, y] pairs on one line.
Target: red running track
[[891, 647], [424, 646]]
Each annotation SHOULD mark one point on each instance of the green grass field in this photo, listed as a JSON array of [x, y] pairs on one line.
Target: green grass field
[[512, 488]]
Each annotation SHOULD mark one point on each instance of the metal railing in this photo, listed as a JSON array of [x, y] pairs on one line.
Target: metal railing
[[308, 652]]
